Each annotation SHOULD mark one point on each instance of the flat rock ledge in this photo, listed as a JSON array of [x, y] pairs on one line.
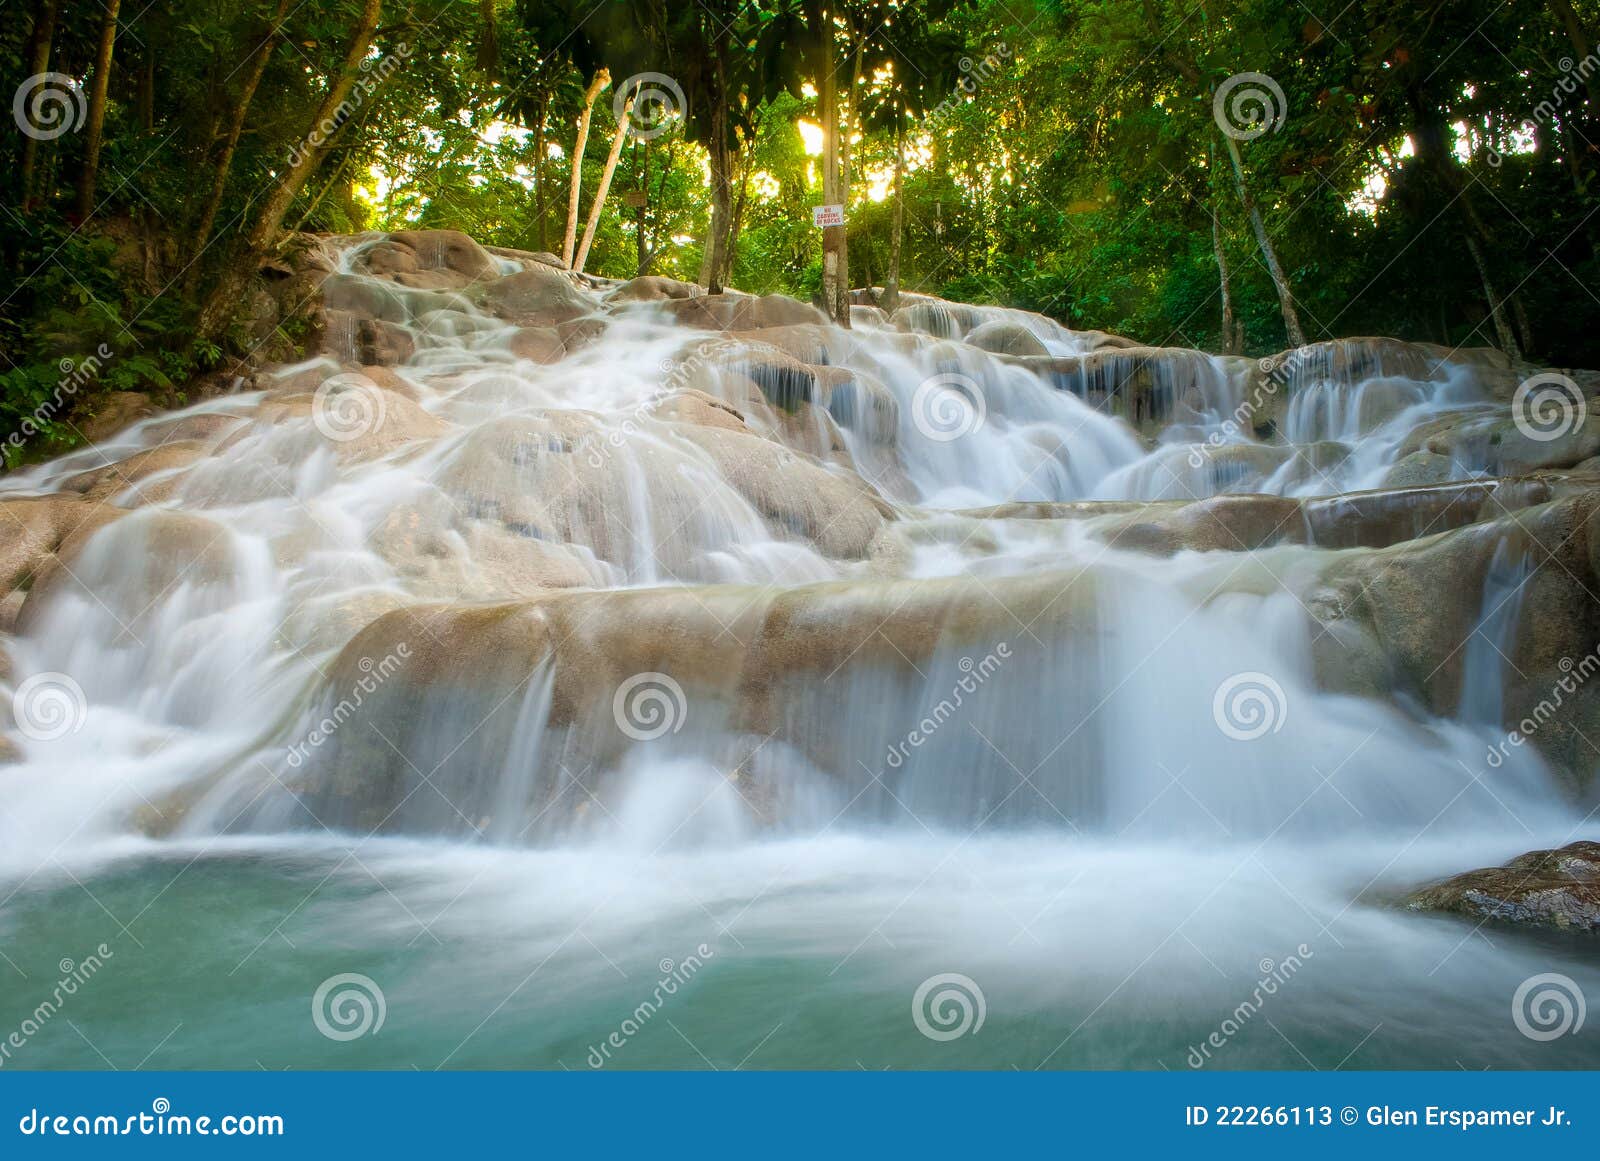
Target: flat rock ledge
[[1557, 889]]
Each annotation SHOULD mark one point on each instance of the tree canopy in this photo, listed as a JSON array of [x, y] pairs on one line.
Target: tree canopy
[[1227, 174]]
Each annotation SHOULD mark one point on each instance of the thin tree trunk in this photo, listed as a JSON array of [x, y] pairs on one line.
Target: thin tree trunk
[[601, 79], [739, 208], [641, 153], [97, 110], [604, 188], [846, 128], [327, 188], [255, 69], [1280, 281], [832, 236], [721, 186], [44, 32], [223, 299], [1580, 45], [540, 204], [1497, 307], [891, 282], [1224, 279]]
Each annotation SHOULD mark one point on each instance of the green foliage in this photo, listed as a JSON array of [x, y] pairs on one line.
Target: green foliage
[[1060, 156]]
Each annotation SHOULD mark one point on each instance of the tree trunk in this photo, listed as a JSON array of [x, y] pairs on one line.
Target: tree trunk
[[44, 32], [891, 282], [842, 312], [711, 266], [604, 188], [95, 125], [739, 208], [1280, 281], [255, 69], [832, 236], [641, 253], [1497, 306], [1580, 45], [223, 299], [540, 204], [601, 79], [1230, 327]]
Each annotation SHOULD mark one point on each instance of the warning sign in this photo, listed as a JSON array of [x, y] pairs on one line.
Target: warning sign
[[824, 216]]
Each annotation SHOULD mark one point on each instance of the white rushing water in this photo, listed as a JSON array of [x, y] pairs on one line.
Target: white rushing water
[[1126, 783]]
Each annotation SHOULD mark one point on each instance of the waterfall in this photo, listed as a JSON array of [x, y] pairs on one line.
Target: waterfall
[[1490, 649], [665, 617]]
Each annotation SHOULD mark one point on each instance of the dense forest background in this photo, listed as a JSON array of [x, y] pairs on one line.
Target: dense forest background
[[1237, 175]]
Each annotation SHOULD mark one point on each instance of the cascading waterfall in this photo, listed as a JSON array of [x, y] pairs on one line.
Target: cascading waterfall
[[1493, 640], [394, 663]]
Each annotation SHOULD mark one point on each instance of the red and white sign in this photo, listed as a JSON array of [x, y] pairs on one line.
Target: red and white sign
[[824, 216]]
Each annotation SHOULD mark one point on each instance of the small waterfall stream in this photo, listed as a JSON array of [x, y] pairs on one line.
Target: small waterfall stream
[[504, 661]]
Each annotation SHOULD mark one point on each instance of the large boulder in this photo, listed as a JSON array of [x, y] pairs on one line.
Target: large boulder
[[1557, 889], [536, 297]]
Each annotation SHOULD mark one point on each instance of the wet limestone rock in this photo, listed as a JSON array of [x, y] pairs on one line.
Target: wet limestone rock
[[1555, 889], [114, 411], [536, 297], [32, 531], [1006, 338]]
